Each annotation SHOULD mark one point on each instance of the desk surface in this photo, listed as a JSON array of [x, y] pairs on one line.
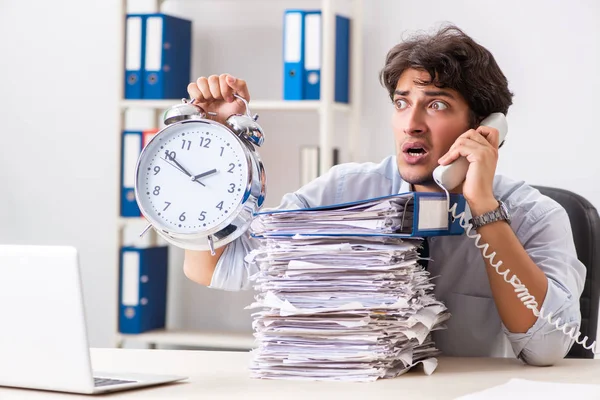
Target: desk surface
[[224, 375]]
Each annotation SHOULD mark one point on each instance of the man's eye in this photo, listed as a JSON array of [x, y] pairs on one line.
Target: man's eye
[[400, 104], [439, 105]]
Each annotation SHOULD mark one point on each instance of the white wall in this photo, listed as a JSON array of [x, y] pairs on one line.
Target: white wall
[[60, 83], [58, 122]]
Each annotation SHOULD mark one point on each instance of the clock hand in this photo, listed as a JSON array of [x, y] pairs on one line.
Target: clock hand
[[178, 165], [202, 175], [168, 156]]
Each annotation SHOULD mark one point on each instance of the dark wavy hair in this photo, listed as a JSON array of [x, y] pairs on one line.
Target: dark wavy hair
[[453, 60]]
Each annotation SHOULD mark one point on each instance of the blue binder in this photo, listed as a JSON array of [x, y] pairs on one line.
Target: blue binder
[[430, 216], [342, 59], [143, 288], [167, 63], [134, 55], [293, 54], [303, 53], [131, 147], [313, 48]]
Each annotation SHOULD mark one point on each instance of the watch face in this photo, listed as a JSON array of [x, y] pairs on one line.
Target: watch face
[[192, 177]]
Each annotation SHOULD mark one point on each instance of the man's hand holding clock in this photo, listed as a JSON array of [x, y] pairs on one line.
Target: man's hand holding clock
[[215, 95]]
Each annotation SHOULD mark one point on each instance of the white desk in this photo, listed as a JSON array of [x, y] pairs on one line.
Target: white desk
[[224, 375]]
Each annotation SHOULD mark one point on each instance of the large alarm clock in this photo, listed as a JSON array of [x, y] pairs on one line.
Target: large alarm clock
[[199, 182]]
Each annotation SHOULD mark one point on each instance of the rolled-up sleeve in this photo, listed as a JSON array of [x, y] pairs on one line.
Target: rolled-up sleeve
[[232, 271], [547, 238]]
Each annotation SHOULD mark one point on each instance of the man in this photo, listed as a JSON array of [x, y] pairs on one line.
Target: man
[[442, 86]]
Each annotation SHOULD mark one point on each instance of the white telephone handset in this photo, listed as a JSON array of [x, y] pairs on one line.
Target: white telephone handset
[[452, 175]]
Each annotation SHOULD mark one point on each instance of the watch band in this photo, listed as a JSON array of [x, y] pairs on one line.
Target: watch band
[[499, 214]]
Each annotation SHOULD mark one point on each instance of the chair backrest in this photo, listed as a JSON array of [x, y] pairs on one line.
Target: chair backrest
[[585, 224]]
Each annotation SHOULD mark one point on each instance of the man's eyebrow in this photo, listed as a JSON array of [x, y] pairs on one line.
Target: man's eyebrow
[[428, 93]]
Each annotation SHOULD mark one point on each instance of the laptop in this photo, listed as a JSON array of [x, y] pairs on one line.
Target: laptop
[[43, 335]]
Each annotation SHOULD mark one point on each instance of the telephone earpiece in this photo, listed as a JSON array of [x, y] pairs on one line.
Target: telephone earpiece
[[451, 175]]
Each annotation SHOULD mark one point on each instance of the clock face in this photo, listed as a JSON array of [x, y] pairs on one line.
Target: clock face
[[192, 177]]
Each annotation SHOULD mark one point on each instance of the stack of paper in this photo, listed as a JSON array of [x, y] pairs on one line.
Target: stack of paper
[[340, 306], [386, 215]]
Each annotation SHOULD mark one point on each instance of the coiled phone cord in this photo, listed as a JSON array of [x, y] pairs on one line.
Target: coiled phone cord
[[521, 290]]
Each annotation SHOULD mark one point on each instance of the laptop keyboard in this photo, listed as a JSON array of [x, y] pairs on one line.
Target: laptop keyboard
[[107, 381]]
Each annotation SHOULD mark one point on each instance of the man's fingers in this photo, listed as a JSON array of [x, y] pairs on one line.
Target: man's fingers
[[193, 91], [226, 90], [214, 87], [203, 87], [491, 135], [239, 86], [466, 147]]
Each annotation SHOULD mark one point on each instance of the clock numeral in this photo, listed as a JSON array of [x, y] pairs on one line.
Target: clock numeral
[[222, 150], [156, 170], [231, 167], [220, 206], [189, 143], [231, 188], [168, 204], [204, 142], [156, 191], [202, 216], [182, 216], [170, 155]]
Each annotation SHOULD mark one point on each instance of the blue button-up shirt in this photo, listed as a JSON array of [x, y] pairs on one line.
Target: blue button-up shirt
[[475, 328]]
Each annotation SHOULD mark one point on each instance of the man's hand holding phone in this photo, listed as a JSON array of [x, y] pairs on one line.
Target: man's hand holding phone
[[480, 147]]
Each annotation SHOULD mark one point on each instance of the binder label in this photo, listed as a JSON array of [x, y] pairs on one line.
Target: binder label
[[154, 35], [131, 274], [132, 144], [312, 47], [133, 57], [293, 45], [433, 214]]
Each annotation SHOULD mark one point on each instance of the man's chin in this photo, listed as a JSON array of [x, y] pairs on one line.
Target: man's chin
[[416, 177]]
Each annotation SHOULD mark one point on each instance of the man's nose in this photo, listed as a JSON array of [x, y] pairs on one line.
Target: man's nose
[[415, 125]]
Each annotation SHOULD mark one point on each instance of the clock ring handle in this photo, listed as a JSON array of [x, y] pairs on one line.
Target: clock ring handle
[[248, 112]]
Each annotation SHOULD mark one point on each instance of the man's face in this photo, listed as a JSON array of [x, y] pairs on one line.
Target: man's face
[[426, 122]]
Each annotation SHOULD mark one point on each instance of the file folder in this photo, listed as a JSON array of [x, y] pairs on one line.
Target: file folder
[[293, 65], [143, 289], [148, 135], [167, 62], [303, 48], [134, 55], [131, 147], [312, 55], [342, 59], [421, 214]]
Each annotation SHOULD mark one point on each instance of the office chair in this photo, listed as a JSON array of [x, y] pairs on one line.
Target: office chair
[[585, 224]]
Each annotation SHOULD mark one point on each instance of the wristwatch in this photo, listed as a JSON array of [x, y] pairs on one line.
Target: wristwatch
[[499, 214]]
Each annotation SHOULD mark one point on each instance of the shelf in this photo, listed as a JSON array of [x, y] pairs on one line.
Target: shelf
[[214, 340], [258, 105]]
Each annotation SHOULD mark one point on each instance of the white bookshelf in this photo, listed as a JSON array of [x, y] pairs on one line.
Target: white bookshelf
[[255, 105], [200, 339], [326, 110]]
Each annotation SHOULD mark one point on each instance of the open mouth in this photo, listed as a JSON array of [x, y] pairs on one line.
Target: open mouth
[[416, 151]]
